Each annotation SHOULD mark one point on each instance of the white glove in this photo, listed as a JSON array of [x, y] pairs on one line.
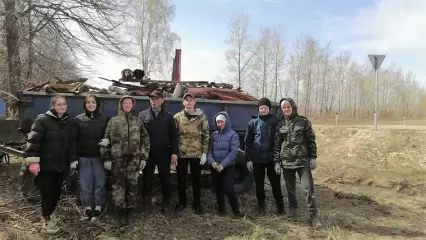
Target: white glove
[[142, 165], [250, 166], [73, 164], [108, 165], [203, 159], [219, 168], [278, 168], [313, 163], [103, 142], [214, 165]]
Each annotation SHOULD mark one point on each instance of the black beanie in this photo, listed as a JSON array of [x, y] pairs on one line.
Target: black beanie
[[264, 101]]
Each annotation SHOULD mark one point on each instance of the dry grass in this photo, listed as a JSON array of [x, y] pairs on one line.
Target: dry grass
[[370, 185]]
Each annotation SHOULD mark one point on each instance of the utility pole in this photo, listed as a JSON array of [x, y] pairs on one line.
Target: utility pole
[[376, 61]]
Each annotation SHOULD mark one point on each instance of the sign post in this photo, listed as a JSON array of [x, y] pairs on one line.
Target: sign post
[[376, 61]]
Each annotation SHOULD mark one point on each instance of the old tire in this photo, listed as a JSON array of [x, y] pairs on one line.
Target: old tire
[[243, 180], [29, 188]]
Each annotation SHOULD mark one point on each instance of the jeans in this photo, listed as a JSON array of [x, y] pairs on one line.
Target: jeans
[[92, 181], [307, 182]]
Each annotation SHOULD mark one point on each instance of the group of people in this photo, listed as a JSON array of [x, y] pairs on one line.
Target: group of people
[[129, 145]]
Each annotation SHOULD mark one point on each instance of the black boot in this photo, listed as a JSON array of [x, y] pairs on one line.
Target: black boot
[[180, 207], [122, 218], [237, 213], [147, 205], [280, 207], [221, 210], [198, 209], [261, 207], [165, 205], [129, 214]]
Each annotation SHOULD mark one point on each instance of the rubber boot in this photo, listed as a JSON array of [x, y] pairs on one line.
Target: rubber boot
[[292, 213], [314, 220], [147, 205], [261, 207], [165, 205], [280, 207], [122, 218], [221, 210], [129, 214]]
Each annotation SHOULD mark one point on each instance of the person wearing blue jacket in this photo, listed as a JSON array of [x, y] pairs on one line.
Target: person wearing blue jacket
[[223, 150], [259, 153]]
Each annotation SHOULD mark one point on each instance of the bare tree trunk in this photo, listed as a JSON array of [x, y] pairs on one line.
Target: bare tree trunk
[[12, 44]]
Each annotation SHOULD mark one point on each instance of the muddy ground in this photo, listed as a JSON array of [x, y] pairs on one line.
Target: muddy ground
[[370, 185]]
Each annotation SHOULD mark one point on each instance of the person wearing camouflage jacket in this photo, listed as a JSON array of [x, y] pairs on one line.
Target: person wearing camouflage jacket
[[125, 156], [193, 130], [295, 151]]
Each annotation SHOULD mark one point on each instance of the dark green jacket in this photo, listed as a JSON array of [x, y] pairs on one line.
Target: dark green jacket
[[294, 142]]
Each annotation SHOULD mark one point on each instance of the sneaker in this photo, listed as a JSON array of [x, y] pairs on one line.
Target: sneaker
[[88, 214], [51, 226], [95, 215]]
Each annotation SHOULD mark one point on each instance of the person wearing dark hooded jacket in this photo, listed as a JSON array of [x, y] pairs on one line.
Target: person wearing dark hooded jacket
[[259, 153], [90, 130], [296, 152], [223, 150], [51, 152]]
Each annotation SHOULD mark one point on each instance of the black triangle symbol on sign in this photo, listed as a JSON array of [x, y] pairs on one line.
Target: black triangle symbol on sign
[[376, 60]]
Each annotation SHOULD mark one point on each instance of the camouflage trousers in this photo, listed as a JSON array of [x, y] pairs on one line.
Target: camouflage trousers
[[125, 175]]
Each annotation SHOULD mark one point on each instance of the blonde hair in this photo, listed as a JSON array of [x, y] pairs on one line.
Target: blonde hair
[[55, 99]]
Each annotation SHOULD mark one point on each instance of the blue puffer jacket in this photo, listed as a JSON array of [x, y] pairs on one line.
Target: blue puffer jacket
[[224, 144]]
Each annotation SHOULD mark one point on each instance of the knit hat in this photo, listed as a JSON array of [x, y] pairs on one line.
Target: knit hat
[[284, 102], [221, 117], [264, 102]]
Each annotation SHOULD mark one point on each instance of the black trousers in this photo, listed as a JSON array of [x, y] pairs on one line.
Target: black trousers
[[274, 180], [307, 182], [223, 183], [182, 172], [163, 165], [50, 185]]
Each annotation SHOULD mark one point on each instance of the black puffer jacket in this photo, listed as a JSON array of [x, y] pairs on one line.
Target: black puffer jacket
[[51, 139], [90, 129]]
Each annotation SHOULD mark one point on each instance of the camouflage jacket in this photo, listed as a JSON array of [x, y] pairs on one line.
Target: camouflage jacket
[[193, 134], [294, 142], [127, 136]]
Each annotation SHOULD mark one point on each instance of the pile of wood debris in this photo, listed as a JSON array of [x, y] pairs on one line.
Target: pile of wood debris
[[143, 87]]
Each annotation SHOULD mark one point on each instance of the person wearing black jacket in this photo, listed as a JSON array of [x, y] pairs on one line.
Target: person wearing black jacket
[[50, 152], [259, 152], [90, 130], [163, 137]]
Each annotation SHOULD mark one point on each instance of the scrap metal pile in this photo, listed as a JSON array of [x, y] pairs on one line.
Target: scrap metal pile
[[132, 83]]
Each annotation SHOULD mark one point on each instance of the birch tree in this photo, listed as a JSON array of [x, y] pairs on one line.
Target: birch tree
[[241, 49], [154, 38]]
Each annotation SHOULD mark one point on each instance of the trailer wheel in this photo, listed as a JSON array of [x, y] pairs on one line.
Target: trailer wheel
[[243, 180], [29, 186]]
